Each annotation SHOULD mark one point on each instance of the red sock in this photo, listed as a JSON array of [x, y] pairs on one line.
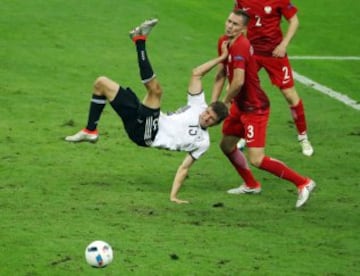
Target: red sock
[[90, 131], [279, 169], [139, 37], [238, 160], [298, 114]]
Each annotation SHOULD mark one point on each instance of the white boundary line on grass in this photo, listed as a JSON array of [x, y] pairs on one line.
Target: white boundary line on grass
[[324, 89], [324, 58], [327, 91]]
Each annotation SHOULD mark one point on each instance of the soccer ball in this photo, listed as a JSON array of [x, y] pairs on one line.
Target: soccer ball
[[98, 254]]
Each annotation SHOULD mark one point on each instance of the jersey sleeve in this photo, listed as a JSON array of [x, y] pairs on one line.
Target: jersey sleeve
[[197, 100], [288, 10], [196, 154], [240, 54]]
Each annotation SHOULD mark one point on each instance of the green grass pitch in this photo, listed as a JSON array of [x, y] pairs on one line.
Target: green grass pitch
[[57, 197]]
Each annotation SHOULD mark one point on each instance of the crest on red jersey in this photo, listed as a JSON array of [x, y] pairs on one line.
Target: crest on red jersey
[[267, 9]]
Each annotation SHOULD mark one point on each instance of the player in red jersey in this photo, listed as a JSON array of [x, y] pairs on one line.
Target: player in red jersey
[[265, 35], [249, 112]]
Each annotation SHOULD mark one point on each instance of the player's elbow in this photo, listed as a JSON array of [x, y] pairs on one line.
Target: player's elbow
[[294, 21], [183, 171], [184, 168], [236, 85], [196, 74], [220, 76]]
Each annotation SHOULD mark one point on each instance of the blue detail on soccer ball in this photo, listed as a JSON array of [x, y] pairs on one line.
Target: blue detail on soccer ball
[[99, 260]]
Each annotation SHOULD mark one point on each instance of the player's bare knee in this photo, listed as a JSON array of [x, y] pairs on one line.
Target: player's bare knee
[[100, 85], [225, 148], [291, 96], [154, 88], [255, 161]]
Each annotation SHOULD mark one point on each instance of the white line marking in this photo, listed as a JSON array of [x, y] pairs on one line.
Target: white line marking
[[324, 58], [327, 91]]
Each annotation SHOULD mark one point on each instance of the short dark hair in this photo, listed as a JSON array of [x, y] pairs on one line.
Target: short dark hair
[[245, 16], [220, 109]]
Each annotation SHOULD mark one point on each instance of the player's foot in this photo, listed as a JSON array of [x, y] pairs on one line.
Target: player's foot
[[83, 135], [135, 32], [244, 189], [144, 29], [306, 147], [147, 26], [241, 144], [304, 193]]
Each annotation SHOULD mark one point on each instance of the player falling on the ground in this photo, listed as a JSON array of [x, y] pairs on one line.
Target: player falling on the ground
[[269, 43], [184, 130]]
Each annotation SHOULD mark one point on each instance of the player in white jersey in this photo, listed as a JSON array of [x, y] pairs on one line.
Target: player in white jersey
[[183, 130]]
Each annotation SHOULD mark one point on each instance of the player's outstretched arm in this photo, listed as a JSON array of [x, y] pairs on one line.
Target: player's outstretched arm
[[219, 82], [179, 179], [235, 86], [195, 85], [280, 50]]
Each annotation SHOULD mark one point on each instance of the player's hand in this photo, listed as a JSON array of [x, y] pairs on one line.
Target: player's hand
[[228, 104], [225, 49], [179, 201], [279, 51]]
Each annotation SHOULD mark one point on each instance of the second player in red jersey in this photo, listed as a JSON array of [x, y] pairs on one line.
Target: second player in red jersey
[[270, 46], [264, 30]]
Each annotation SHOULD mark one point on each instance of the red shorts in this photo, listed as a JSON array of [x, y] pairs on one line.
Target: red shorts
[[279, 70], [250, 126]]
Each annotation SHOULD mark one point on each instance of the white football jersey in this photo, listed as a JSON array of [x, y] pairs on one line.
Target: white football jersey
[[181, 130]]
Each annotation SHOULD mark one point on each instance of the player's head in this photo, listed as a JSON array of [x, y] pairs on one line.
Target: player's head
[[236, 23], [214, 114]]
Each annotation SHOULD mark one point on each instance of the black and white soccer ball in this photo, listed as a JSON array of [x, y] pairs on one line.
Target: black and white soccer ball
[[99, 254]]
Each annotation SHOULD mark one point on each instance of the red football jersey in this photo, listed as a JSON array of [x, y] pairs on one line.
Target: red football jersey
[[251, 97], [264, 30]]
